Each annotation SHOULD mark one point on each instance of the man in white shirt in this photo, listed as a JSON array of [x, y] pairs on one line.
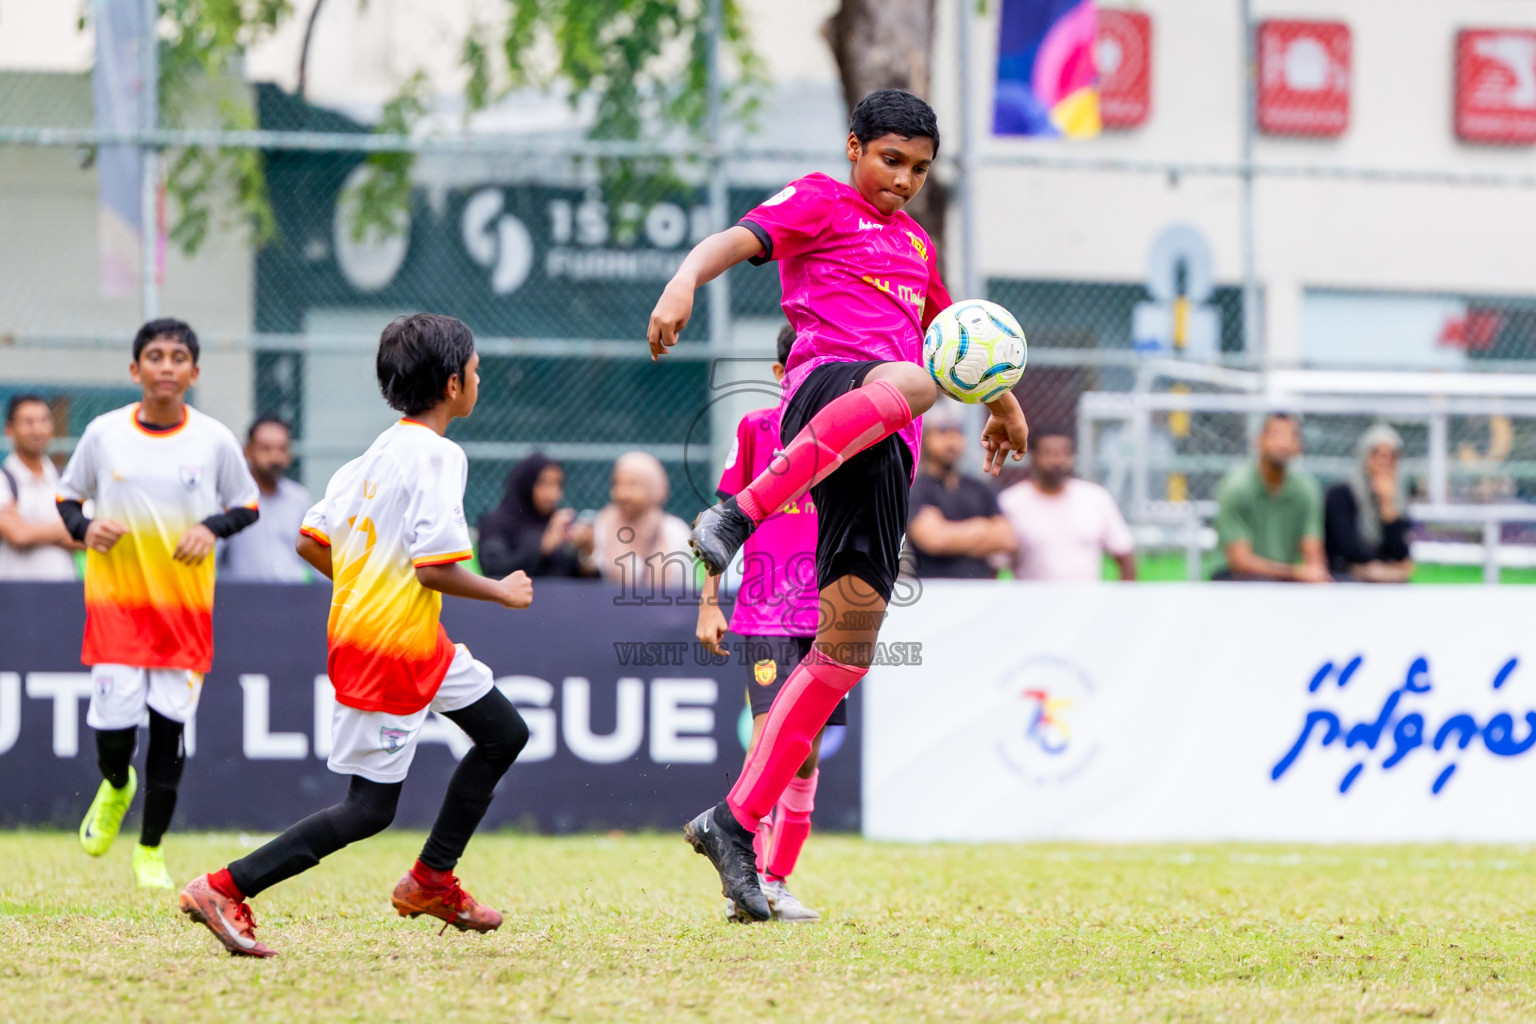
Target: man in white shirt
[[1064, 525], [265, 552], [34, 544]]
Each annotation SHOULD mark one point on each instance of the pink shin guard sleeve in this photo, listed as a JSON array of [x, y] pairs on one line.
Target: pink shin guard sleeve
[[844, 427], [793, 825], [799, 712]]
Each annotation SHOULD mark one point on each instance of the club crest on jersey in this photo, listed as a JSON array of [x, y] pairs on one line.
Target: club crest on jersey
[[765, 672], [393, 740], [191, 476], [785, 193], [917, 243]]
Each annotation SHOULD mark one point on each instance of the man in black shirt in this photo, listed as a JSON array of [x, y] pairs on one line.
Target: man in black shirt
[[955, 528]]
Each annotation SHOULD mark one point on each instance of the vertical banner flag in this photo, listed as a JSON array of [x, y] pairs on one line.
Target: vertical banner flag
[[117, 90], [1047, 82]]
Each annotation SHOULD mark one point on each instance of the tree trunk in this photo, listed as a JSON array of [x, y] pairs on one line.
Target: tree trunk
[[887, 44]]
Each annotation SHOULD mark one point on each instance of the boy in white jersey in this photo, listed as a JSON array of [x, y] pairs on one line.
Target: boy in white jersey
[[390, 533], [168, 481]]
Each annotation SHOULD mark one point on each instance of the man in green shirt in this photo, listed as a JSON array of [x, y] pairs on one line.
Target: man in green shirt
[[1270, 518]]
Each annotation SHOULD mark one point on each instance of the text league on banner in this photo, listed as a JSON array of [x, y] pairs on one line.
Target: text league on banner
[[633, 724], [1304, 78], [1496, 86]]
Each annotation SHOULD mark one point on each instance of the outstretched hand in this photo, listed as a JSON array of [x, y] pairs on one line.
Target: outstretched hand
[[1006, 431]]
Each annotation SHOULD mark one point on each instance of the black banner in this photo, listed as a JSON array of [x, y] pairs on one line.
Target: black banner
[[633, 725]]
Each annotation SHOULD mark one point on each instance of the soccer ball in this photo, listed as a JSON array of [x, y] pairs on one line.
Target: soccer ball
[[975, 350]]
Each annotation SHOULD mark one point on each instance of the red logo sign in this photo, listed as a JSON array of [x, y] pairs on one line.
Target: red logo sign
[[1304, 78], [1124, 55], [1496, 85]]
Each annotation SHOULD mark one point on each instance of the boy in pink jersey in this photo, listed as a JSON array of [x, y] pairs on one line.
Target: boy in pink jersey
[[775, 616], [861, 284]]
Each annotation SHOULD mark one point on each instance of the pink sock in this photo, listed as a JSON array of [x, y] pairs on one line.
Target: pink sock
[[792, 825], [799, 712], [844, 427]]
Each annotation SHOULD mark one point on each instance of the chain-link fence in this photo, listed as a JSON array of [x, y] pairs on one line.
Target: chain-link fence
[[554, 249]]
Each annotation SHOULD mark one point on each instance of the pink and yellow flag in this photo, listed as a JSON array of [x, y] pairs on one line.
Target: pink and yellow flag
[[1047, 79]]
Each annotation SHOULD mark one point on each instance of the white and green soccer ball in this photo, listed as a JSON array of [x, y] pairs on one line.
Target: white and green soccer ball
[[975, 350]]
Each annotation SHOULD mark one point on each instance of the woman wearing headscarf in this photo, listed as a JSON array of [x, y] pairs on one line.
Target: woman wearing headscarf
[[530, 531], [637, 543], [1365, 518]]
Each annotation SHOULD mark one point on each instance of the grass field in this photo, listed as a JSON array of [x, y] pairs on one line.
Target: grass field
[[627, 928]]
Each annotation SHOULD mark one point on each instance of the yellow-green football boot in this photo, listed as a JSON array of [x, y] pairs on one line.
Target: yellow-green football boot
[[106, 815], [149, 867]]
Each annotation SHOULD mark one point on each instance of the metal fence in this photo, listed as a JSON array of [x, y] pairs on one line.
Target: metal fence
[[554, 248], [1468, 460]]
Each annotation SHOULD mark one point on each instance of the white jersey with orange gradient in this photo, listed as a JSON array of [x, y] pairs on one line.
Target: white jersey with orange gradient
[[398, 507]]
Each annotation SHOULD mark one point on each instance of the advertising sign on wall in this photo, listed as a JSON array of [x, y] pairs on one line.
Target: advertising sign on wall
[[1304, 78], [1124, 55], [1496, 86], [1205, 712], [632, 724]]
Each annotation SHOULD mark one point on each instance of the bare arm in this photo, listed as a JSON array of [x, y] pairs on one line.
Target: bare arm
[[1383, 572], [1314, 562], [1127, 566], [316, 554], [514, 591], [1245, 564], [979, 537], [21, 534], [712, 625], [708, 260]]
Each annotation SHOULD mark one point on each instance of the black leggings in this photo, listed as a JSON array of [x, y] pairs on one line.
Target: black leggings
[[499, 734], [162, 769]]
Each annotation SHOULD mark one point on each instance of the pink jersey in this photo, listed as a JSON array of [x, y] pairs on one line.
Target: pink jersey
[[778, 579], [858, 285]]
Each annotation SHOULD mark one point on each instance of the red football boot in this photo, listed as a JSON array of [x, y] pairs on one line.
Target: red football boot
[[437, 894], [230, 920]]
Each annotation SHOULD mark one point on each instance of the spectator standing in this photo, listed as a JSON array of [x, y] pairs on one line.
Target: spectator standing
[[1365, 518], [1064, 526], [264, 552], [1269, 521], [34, 543], [530, 531], [635, 540], [956, 530]]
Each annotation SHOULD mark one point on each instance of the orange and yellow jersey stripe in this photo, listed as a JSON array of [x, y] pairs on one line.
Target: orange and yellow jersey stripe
[[396, 508]]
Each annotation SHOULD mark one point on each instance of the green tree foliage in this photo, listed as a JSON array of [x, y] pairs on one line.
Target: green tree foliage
[[201, 44], [639, 63]]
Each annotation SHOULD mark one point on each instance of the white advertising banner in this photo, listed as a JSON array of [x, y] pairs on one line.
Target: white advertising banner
[[1205, 712]]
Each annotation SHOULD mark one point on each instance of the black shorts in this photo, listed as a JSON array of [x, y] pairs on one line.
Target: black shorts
[[769, 661], [861, 508]]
